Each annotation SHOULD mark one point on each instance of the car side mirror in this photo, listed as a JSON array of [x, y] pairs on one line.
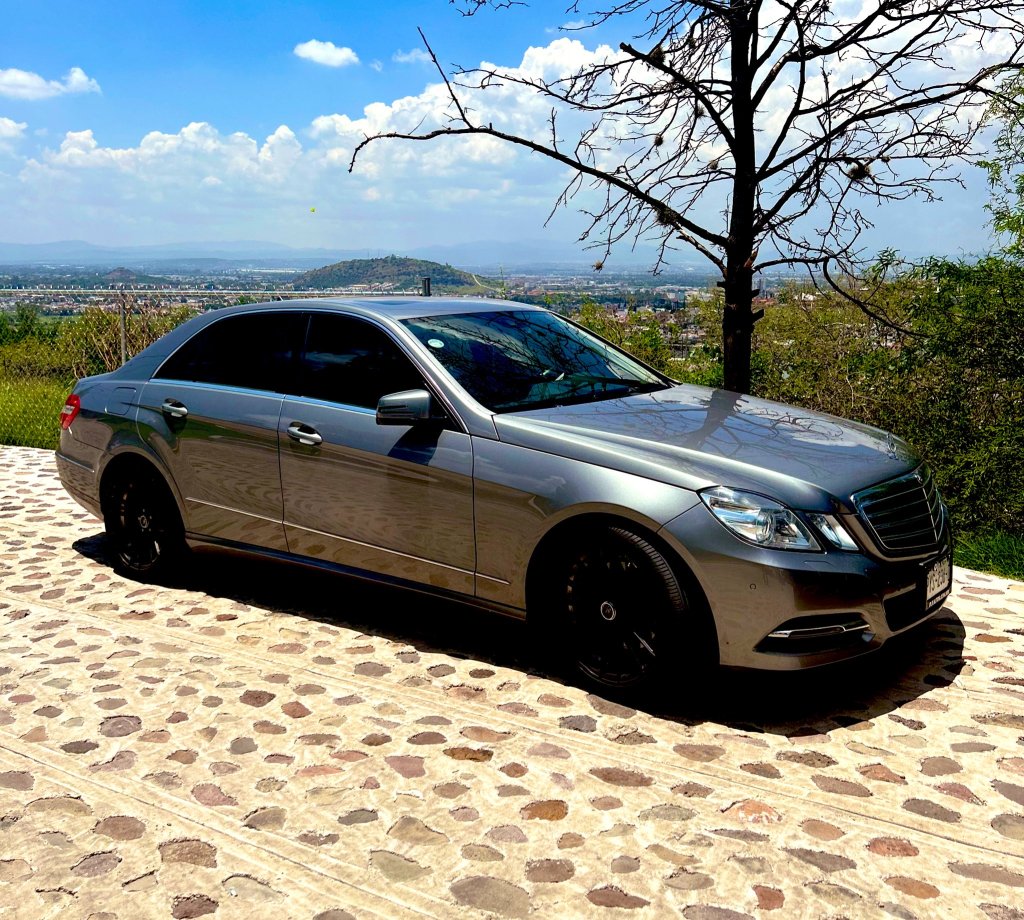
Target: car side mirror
[[410, 407]]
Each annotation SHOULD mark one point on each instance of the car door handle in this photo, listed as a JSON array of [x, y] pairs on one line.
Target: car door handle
[[174, 408], [304, 434]]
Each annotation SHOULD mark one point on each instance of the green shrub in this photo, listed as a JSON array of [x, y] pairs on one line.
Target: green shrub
[[30, 412], [640, 332], [33, 358]]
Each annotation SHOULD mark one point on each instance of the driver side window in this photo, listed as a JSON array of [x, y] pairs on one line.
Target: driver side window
[[351, 362]]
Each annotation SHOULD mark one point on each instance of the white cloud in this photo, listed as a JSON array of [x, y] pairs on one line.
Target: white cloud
[[11, 132], [415, 56], [326, 53], [11, 129], [196, 155], [236, 186], [376, 66], [167, 185], [23, 84]]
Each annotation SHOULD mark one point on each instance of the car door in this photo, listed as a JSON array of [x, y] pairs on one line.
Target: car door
[[212, 411], [391, 499]]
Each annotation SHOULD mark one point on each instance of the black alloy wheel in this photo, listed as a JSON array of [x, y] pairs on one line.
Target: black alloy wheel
[[143, 524], [623, 603]]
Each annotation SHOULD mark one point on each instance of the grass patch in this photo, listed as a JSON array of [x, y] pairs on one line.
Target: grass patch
[[30, 412], [996, 552]]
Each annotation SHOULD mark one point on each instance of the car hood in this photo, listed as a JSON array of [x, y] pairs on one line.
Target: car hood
[[697, 437]]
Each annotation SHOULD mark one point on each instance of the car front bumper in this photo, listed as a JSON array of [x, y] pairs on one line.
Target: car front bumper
[[785, 610]]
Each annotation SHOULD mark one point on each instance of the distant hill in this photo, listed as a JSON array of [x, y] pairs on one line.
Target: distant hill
[[394, 273]]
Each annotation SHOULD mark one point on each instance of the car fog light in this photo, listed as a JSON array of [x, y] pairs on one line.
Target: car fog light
[[833, 531]]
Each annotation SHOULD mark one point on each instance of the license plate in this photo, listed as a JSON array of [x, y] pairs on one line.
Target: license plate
[[938, 581]]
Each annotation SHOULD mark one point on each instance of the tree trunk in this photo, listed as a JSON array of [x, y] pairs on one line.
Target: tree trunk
[[737, 328], [737, 316]]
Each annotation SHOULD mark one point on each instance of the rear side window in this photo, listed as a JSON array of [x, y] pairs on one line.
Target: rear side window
[[352, 362], [256, 351]]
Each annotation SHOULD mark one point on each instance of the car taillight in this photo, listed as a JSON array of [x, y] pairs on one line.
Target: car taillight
[[72, 406]]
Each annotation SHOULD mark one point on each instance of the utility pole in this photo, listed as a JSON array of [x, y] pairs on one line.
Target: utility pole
[[122, 305]]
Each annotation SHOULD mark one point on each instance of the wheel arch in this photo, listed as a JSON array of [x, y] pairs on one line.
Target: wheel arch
[[128, 462], [546, 554]]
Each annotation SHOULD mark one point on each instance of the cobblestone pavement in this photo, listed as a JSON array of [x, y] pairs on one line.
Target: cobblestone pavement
[[267, 742]]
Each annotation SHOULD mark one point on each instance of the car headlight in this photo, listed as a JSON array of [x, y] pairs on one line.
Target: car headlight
[[758, 520], [833, 531]]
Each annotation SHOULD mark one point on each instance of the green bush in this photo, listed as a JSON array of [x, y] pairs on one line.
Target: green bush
[[648, 336], [640, 332], [30, 412], [33, 358]]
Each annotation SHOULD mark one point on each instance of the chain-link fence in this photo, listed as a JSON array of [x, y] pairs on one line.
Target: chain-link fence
[[42, 355]]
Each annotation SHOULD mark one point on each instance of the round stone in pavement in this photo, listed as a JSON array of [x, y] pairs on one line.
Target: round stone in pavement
[[120, 827], [613, 896], [190, 851], [1011, 826], [188, 907], [550, 870], [492, 894], [96, 864], [397, 868]]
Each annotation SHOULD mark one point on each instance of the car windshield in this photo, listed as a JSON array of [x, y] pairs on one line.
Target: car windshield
[[509, 360]]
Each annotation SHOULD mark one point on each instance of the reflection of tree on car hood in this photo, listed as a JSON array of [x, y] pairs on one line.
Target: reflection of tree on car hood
[[699, 435]]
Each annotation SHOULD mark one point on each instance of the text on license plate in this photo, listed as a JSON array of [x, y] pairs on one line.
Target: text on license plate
[[938, 579]]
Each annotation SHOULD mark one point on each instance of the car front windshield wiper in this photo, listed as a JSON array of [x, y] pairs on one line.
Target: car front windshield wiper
[[577, 391], [628, 382]]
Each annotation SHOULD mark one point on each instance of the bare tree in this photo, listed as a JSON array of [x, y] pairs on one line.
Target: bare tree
[[786, 116], [1005, 165]]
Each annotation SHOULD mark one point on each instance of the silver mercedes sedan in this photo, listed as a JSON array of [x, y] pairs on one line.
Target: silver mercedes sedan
[[500, 454]]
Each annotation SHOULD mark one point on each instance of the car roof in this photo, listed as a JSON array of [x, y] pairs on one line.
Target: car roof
[[385, 309], [394, 308]]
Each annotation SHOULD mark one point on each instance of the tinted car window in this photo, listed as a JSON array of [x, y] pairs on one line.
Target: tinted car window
[[256, 351], [526, 359], [352, 362]]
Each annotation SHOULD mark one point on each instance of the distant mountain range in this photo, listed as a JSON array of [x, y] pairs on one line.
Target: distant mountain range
[[489, 257]]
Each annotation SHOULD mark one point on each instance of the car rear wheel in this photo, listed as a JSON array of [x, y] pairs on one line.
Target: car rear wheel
[[144, 527], [622, 609]]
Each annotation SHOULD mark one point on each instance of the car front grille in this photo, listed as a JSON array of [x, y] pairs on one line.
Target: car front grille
[[905, 515]]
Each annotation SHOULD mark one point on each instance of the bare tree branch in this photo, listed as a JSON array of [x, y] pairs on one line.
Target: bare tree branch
[[792, 115]]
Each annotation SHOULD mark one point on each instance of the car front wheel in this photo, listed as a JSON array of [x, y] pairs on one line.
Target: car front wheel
[[622, 608]]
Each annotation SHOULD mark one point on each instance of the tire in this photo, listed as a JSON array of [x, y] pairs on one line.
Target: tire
[[622, 610], [144, 528]]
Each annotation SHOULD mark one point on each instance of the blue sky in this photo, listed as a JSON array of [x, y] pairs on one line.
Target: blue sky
[[232, 63], [190, 120]]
